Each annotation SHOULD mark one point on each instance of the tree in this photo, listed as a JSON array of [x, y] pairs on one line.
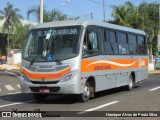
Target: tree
[[127, 15], [11, 17], [143, 17], [19, 35], [54, 15], [149, 12]]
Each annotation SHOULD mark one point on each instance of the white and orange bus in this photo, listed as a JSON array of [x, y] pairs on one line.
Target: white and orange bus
[[82, 57]]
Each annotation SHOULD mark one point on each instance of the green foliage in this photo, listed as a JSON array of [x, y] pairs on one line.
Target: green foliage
[[53, 15], [11, 17], [19, 35], [144, 17]]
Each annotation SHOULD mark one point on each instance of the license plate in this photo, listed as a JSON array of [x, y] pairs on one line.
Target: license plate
[[44, 90]]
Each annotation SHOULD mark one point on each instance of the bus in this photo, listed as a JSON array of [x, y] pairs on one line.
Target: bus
[[82, 57]]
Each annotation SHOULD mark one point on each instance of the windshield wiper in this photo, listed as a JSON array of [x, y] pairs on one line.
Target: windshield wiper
[[57, 60], [32, 61]]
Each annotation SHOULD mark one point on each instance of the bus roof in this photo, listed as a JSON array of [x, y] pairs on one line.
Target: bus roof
[[86, 23]]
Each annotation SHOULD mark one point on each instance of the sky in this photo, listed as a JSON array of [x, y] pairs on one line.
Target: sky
[[73, 8]]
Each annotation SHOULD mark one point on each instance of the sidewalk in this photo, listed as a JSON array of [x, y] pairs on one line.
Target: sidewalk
[[154, 71], [9, 67], [12, 68]]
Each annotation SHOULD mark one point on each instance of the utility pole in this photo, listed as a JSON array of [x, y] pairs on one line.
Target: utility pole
[[41, 11], [104, 11], [91, 16]]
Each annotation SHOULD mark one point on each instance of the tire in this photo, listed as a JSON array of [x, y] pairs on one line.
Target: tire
[[130, 83], [40, 97], [84, 97]]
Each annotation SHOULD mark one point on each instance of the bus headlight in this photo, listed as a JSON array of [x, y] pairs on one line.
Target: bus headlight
[[24, 78], [69, 75]]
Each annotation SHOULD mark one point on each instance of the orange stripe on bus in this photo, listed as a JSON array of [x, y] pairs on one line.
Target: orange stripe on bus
[[49, 76], [101, 65]]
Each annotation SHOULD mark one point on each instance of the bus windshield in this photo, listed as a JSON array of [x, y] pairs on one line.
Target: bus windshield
[[50, 44]]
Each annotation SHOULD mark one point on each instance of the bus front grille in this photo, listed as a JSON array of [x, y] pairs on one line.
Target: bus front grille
[[44, 82]]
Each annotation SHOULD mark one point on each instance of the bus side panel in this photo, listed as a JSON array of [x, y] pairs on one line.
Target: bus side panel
[[142, 75], [121, 79]]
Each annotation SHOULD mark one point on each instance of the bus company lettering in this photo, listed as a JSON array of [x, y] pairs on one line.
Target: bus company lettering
[[65, 32], [102, 67]]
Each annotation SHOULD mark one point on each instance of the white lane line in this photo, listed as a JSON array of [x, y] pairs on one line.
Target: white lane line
[[14, 93], [95, 108], [13, 74], [18, 85], [16, 103], [9, 87], [154, 88]]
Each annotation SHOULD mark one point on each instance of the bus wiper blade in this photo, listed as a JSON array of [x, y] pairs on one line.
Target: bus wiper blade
[[32, 61], [57, 60]]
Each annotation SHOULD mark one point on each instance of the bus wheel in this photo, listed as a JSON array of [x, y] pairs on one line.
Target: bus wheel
[[85, 96], [39, 97], [130, 83]]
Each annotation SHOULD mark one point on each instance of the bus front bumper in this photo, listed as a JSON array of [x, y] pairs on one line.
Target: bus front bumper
[[68, 87]]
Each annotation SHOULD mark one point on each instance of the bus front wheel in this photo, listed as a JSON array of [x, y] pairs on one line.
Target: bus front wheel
[[85, 96]]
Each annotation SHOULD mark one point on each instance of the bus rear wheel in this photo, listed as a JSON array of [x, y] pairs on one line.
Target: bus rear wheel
[[85, 96], [130, 83]]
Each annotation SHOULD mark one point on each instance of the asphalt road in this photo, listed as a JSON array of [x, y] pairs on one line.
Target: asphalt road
[[144, 97]]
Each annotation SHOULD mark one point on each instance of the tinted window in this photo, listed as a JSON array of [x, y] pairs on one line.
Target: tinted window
[[90, 45], [132, 44], [133, 49], [141, 40], [132, 39], [114, 47], [142, 47], [108, 47], [123, 49], [112, 43], [121, 38], [112, 36], [122, 43]]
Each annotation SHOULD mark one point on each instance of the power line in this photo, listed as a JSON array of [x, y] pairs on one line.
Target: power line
[[75, 7], [100, 3], [78, 8]]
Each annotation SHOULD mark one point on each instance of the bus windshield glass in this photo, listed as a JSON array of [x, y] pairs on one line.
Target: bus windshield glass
[[51, 44]]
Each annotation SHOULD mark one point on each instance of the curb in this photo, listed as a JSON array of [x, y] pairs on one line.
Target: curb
[[17, 72]]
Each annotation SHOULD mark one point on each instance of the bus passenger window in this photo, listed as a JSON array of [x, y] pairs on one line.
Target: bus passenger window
[[93, 41], [90, 45]]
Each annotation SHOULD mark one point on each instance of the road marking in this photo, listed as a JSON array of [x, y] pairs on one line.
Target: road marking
[[9, 87], [16, 103], [154, 88], [13, 74], [95, 108], [14, 93], [18, 85]]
